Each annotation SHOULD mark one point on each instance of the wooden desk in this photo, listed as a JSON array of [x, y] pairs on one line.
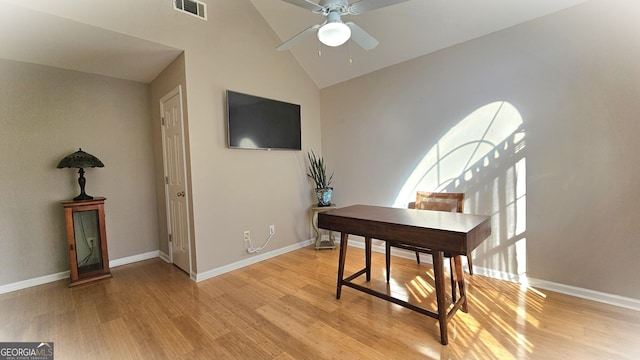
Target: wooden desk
[[454, 233]]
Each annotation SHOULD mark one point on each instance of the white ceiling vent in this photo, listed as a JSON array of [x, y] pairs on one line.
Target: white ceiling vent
[[191, 7]]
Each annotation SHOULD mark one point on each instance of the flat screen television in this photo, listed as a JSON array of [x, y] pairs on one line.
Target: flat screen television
[[254, 122]]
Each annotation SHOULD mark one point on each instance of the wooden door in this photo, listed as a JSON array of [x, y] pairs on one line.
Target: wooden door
[[176, 191]]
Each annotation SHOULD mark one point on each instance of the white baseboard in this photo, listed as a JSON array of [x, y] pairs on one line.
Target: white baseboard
[[33, 282], [616, 300], [134, 258], [164, 256], [65, 274], [252, 260], [587, 294], [154, 254]]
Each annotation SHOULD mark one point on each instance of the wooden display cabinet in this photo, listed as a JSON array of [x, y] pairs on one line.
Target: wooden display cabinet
[[87, 240]]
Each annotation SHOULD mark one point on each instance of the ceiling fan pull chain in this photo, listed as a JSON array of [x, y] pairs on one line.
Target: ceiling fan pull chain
[[350, 56]]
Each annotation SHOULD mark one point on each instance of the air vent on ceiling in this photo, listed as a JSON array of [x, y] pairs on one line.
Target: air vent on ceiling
[[191, 7]]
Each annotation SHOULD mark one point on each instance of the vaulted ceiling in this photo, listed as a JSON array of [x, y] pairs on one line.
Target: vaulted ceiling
[[34, 37], [405, 31]]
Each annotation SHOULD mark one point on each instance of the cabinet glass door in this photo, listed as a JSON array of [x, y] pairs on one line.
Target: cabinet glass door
[[86, 228]]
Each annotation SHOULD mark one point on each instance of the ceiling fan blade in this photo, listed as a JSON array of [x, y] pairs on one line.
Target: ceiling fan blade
[[306, 4], [362, 6], [294, 40], [362, 37]]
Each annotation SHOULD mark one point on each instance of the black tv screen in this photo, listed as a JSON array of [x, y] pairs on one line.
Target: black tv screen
[[257, 123]]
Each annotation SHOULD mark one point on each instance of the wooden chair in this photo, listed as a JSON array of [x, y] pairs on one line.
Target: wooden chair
[[451, 202]]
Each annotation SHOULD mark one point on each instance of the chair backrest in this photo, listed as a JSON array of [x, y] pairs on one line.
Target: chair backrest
[[452, 202]]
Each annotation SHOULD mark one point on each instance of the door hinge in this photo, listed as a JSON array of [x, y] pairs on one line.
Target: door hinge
[[170, 238], [166, 180], [162, 121]]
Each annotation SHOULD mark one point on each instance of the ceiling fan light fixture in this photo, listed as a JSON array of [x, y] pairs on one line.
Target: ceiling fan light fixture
[[334, 33]]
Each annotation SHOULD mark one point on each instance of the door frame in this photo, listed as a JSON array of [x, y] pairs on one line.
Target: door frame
[[176, 91]]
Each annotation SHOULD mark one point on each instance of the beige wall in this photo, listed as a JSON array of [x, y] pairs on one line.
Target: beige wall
[[48, 113], [232, 190], [574, 79]]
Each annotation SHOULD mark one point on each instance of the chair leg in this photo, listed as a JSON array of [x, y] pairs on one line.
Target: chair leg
[[453, 279], [418, 257], [470, 264], [388, 258], [462, 287]]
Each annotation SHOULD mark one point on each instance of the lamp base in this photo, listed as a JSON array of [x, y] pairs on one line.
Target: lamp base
[[81, 182], [83, 196]]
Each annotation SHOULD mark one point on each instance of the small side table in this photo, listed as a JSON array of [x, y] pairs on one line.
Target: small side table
[[86, 240], [330, 242]]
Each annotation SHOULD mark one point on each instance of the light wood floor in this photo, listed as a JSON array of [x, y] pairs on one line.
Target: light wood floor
[[285, 308]]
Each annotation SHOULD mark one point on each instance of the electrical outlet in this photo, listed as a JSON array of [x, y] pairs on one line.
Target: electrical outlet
[[272, 229], [247, 235]]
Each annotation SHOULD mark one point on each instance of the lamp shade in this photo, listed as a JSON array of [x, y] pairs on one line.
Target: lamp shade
[[80, 159]]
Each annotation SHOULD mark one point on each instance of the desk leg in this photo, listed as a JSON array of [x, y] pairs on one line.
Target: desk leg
[[344, 237], [460, 280], [387, 255], [367, 249], [438, 271]]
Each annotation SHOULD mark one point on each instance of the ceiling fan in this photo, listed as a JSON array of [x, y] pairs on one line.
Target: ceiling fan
[[333, 31]]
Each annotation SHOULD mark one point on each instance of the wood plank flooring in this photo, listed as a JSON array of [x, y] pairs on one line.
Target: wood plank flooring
[[285, 308]]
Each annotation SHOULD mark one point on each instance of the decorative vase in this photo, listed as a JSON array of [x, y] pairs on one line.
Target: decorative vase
[[324, 196]]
